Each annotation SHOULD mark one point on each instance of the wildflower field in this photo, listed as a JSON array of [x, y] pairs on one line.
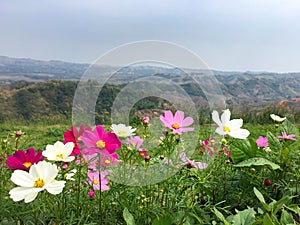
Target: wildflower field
[[157, 173]]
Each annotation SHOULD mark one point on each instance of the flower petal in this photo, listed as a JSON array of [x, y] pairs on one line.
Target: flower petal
[[216, 118], [220, 131], [240, 134], [225, 117], [235, 124], [22, 178], [55, 187], [179, 116], [30, 197], [19, 193], [187, 122]]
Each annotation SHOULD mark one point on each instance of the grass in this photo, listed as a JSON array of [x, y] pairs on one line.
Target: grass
[[189, 197]]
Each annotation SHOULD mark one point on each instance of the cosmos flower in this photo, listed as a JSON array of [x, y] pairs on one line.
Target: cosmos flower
[[93, 180], [229, 127], [73, 135], [276, 118], [287, 137], [100, 141], [69, 175], [106, 160], [192, 163], [262, 141], [41, 176], [121, 130], [142, 153], [59, 152], [134, 142], [177, 123], [24, 160]]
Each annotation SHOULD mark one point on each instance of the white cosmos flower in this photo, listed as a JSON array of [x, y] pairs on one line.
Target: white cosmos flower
[[276, 118], [122, 131], [69, 176], [59, 152], [41, 176], [229, 127]]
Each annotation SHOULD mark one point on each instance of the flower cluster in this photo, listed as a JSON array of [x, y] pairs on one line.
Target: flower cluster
[[96, 151]]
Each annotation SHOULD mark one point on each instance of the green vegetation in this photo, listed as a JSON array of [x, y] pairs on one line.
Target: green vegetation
[[229, 191]]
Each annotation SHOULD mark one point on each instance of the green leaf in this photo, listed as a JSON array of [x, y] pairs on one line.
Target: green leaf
[[241, 150], [163, 220], [128, 217], [267, 220], [273, 142], [261, 199], [289, 128], [294, 208], [220, 216], [286, 218], [278, 205], [245, 217], [257, 162]]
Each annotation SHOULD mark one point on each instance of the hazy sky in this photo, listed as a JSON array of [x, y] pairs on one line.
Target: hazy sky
[[257, 35]]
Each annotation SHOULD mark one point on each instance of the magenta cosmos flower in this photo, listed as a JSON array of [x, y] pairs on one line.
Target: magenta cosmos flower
[[177, 123], [287, 137], [73, 135], [22, 160], [262, 142], [100, 141], [93, 180]]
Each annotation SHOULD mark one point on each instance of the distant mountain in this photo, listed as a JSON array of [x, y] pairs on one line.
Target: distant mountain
[[241, 89]]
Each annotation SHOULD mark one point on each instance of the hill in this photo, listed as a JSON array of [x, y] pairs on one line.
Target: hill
[[37, 90]]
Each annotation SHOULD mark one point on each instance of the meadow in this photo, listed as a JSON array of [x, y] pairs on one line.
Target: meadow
[[222, 173]]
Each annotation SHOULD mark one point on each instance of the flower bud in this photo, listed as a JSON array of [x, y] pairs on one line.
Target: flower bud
[[91, 194], [146, 121], [267, 183], [19, 133], [147, 158]]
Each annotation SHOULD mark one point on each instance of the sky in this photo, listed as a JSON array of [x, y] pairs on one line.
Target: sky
[[229, 35]]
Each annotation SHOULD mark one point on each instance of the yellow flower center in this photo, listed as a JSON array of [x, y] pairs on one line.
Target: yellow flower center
[[95, 182], [107, 161], [226, 129], [39, 183], [60, 156], [121, 132], [175, 126], [27, 164], [78, 139], [100, 144]]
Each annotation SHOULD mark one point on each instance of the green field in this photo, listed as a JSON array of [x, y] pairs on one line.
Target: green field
[[252, 186]]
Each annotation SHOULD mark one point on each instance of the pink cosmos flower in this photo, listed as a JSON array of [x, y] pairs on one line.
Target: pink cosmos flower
[[134, 142], [262, 141], [287, 137], [93, 180], [73, 135], [100, 141], [106, 160], [22, 160], [177, 123], [190, 163]]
